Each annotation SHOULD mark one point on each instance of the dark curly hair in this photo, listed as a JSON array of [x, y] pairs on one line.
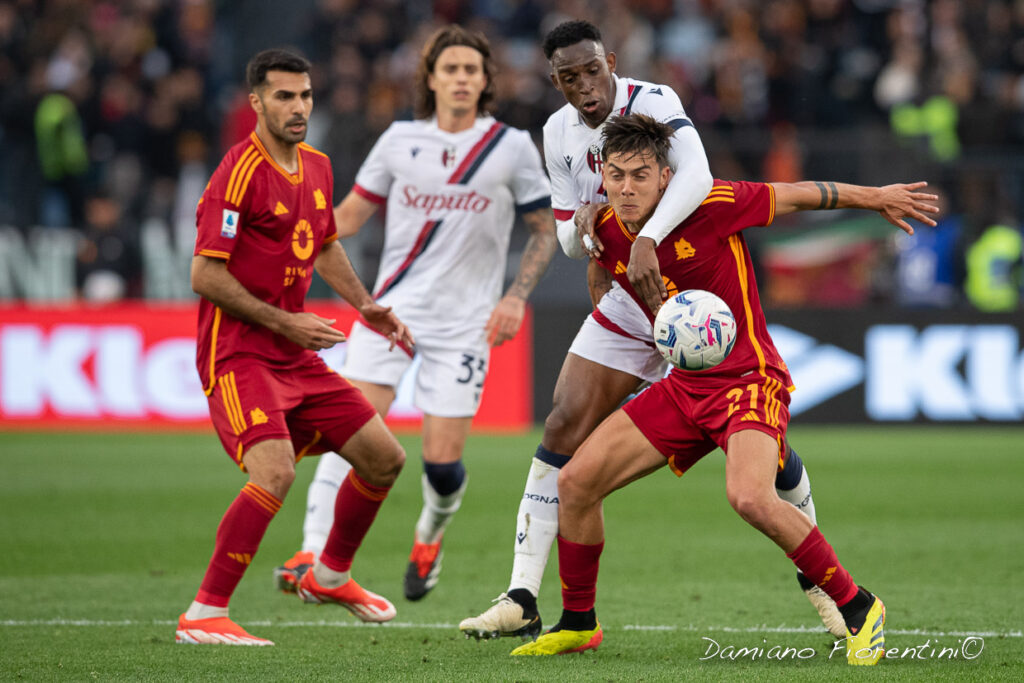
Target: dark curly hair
[[636, 134], [449, 36], [569, 33]]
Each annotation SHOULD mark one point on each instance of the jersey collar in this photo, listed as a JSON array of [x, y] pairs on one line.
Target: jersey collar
[[295, 178]]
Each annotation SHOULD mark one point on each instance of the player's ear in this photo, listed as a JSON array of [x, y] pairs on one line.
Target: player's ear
[[255, 102], [610, 59], [666, 175], [430, 83]]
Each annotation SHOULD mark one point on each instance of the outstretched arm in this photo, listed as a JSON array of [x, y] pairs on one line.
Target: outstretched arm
[[893, 202], [508, 315], [352, 213], [334, 267], [212, 280], [688, 187]]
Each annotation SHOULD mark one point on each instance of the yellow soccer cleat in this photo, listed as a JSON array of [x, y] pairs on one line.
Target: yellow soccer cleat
[[562, 642], [867, 646]]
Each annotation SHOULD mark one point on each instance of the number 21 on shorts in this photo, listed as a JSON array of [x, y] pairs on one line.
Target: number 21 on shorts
[[750, 399]]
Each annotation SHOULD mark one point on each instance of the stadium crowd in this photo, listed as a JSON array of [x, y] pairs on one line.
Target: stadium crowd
[[112, 113]]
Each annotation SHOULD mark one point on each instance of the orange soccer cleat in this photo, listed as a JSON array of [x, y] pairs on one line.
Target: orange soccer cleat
[[365, 605], [287, 576], [215, 631]]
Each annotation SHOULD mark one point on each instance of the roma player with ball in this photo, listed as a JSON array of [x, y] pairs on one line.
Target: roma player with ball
[[739, 405]]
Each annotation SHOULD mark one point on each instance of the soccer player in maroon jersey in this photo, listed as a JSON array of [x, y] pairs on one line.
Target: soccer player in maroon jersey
[[611, 354], [741, 405], [264, 223]]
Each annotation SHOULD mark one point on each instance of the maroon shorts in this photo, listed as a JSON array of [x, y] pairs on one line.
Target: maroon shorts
[[311, 405], [686, 416]]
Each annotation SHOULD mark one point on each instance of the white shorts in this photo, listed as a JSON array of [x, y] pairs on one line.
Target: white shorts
[[618, 335], [449, 380]]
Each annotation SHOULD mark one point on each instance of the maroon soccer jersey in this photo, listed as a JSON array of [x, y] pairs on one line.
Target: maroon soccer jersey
[[707, 251], [269, 225]]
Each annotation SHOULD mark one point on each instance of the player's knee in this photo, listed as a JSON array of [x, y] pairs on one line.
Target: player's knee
[[442, 452], [275, 477], [750, 504], [755, 510], [383, 465], [574, 488], [391, 462], [565, 428]]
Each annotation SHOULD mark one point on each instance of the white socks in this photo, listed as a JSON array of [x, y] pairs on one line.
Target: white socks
[[198, 610], [437, 511], [330, 473], [327, 577], [800, 497], [536, 527]]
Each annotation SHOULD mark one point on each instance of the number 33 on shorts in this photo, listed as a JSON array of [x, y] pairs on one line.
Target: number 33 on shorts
[[475, 369]]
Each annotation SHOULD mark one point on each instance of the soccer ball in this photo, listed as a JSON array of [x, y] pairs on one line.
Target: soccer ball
[[694, 330]]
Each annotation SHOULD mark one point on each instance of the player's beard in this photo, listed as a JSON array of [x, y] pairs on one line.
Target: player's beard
[[286, 136]]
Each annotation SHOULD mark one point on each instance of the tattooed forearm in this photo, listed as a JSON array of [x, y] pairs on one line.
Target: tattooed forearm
[[537, 253], [829, 195]]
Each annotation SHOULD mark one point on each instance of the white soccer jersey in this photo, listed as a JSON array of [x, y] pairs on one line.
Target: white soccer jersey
[[572, 150], [451, 203]]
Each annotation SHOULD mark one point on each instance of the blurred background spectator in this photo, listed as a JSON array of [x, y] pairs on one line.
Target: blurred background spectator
[[108, 264], [139, 98]]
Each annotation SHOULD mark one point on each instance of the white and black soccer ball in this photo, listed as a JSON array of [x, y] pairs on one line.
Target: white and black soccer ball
[[694, 330]]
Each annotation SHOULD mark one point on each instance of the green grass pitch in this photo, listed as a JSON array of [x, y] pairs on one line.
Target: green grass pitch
[[105, 538]]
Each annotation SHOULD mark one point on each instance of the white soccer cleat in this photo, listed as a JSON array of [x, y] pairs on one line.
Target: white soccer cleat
[[827, 610], [506, 618]]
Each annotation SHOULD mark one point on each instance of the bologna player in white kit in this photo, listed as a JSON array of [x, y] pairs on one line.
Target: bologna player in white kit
[[613, 351], [452, 181]]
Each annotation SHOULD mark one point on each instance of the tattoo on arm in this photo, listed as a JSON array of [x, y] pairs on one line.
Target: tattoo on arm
[[835, 195], [829, 195], [540, 247]]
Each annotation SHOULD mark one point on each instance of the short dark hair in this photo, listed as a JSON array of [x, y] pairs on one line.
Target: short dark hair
[[445, 37], [275, 59], [636, 134], [569, 33]]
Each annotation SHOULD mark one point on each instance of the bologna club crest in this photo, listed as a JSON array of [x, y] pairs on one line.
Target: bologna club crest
[[594, 159], [448, 156]]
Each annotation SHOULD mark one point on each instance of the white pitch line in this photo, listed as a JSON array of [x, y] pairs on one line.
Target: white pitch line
[[763, 628]]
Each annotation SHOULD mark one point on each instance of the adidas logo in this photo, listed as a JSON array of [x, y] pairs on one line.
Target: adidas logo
[[828, 576], [280, 209]]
